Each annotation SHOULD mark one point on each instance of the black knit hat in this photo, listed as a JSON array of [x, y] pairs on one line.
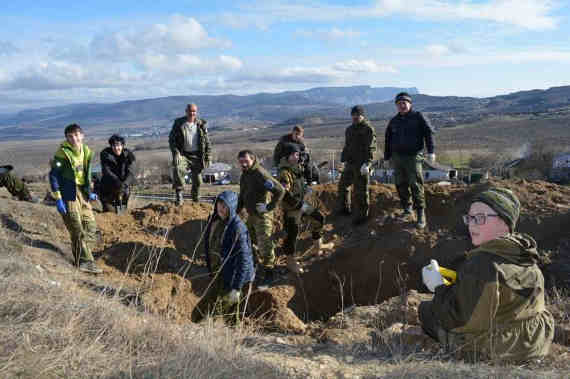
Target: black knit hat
[[357, 109], [291, 148], [403, 96]]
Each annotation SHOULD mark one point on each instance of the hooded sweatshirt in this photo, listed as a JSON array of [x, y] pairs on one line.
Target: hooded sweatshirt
[[497, 304], [236, 252], [70, 169]]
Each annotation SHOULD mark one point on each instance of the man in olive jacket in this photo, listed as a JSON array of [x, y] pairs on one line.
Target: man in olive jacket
[[496, 307], [259, 194], [357, 155], [15, 185], [405, 137], [190, 147]]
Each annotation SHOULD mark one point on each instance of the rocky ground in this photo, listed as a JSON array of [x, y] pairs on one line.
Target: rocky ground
[[352, 314]]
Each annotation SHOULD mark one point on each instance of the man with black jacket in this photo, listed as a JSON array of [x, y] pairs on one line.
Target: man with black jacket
[[117, 169], [405, 137]]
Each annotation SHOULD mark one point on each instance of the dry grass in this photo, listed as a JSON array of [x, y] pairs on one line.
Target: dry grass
[[49, 332]]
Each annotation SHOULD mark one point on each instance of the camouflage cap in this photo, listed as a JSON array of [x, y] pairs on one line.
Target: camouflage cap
[[504, 202]]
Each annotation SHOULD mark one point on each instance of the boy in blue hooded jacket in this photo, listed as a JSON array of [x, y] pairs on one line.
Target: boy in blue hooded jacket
[[227, 239]]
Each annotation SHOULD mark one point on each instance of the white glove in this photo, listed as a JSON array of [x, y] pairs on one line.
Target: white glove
[[307, 208], [431, 276], [365, 169], [261, 207], [233, 297], [431, 157]]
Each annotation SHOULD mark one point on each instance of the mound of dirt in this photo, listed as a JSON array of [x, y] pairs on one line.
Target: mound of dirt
[[159, 247]]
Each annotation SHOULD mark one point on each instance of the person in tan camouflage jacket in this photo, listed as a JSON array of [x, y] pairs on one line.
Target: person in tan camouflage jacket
[[496, 308]]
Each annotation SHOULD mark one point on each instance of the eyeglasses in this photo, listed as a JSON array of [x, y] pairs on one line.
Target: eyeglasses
[[478, 219]]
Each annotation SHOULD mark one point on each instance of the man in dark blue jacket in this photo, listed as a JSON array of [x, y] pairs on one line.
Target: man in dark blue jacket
[[405, 137], [226, 238]]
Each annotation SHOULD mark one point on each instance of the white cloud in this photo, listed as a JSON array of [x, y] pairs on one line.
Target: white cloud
[[527, 14], [185, 64], [8, 48], [331, 34], [366, 65], [437, 50]]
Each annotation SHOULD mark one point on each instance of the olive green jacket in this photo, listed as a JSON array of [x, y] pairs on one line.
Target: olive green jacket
[[291, 177], [176, 139], [497, 304], [257, 186], [359, 144]]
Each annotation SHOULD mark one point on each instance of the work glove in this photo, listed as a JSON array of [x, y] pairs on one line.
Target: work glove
[[365, 169], [307, 208], [431, 276], [431, 157], [60, 205], [232, 297], [93, 196], [261, 208]]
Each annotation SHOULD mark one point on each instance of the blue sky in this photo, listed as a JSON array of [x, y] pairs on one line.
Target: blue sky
[[56, 52]]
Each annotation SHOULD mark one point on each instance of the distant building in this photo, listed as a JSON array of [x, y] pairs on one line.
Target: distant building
[[216, 172], [560, 172], [433, 172]]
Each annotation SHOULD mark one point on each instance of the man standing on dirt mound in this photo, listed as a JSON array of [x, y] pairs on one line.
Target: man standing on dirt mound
[[70, 180], [295, 207], [405, 136], [259, 194], [229, 259], [357, 155], [118, 174], [14, 185], [496, 307], [190, 147]]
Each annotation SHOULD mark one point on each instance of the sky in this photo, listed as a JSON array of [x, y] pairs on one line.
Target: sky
[[59, 52]]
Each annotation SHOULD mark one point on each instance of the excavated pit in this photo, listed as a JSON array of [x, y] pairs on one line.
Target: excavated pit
[[152, 248]]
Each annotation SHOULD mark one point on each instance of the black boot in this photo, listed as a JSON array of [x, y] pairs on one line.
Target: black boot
[[421, 218]]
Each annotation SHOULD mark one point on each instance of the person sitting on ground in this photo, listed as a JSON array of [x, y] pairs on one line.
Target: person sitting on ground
[[14, 185], [295, 207], [496, 307], [117, 166], [229, 259]]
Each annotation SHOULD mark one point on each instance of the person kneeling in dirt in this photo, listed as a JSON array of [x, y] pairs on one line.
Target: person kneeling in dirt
[[496, 307], [117, 167], [70, 180], [14, 185], [295, 207], [229, 259]]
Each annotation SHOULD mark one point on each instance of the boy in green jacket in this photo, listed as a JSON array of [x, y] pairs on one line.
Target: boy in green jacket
[[70, 181], [496, 307]]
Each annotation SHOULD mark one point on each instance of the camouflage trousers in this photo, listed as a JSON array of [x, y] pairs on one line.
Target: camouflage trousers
[[409, 179], [292, 223], [213, 303], [352, 176], [14, 185], [260, 227], [81, 225], [183, 163]]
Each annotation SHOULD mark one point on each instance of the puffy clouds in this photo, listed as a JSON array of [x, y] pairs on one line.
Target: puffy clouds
[[364, 65], [182, 64], [331, 34]]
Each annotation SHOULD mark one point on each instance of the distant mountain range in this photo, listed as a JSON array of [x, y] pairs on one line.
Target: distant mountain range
[[316, 105], [220, 111]]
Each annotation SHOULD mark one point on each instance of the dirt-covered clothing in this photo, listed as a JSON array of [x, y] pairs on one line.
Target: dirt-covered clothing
[[80, 223], [257, 186], [359, 143], [279, 151], [290, 176], [13, 184], [496, 307], [69, 172], [177, 139], [406, 134]]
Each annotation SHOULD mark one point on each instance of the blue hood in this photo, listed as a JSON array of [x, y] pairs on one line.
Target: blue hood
[[230, 198]]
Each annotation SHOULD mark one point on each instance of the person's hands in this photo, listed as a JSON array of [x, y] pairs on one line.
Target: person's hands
[[261, 207], [93, 196], [431, 157], [365, 169], [307, 208], [232, 297], [60, 205], [431, 276]]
